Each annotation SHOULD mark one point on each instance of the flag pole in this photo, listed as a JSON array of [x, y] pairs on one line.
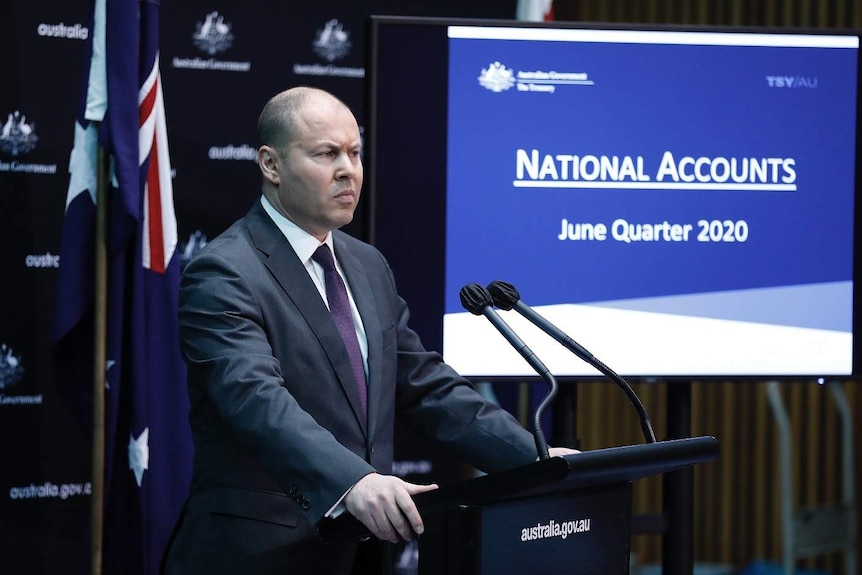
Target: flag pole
[[99, 364]]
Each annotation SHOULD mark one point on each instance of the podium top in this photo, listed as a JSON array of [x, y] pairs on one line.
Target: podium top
[[554, 475]]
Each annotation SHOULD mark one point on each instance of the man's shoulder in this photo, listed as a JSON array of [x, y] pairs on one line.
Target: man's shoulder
[[232, 238], [231, 245]]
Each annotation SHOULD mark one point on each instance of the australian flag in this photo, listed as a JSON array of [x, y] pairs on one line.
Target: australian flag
[[148, 448]]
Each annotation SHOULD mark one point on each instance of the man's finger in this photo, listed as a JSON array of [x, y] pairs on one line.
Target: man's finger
[[411, 513], [415, 488], [399, 522], [383, 529]]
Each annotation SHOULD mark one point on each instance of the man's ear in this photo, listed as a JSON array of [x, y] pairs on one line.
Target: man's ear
[[267, 160]]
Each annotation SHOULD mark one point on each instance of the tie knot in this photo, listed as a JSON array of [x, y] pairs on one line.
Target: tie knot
[[323, 256]]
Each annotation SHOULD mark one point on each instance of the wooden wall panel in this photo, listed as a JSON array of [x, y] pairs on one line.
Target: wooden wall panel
[[737, 504], [789, 13]]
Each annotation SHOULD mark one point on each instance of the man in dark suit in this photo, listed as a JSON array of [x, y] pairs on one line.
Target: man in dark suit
[[292, 413]]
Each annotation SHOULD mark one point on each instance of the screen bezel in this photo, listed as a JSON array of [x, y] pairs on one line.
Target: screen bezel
[[407, 199]]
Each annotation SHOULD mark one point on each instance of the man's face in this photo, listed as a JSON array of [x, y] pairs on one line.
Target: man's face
[[320, 172]]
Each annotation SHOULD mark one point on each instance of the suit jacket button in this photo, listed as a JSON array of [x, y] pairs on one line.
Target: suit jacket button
[[306, 505]]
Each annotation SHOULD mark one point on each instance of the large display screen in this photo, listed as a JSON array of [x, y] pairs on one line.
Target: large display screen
[[679, 202]]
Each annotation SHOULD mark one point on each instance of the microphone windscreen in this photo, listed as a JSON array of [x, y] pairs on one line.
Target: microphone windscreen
[[504, 295], [475, 298]]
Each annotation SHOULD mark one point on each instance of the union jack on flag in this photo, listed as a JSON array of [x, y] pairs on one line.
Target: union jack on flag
[[160, 225], [147, 437]]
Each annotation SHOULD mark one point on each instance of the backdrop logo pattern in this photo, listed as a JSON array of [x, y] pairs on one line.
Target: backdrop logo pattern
[[74, 32], [11, 370], [332, 42], [231, 152], [213, 35], [188, 249], [17, 137], [46, 260]]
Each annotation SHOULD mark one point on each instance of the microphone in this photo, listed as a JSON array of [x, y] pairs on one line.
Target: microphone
[[506, 297], [478, 301]]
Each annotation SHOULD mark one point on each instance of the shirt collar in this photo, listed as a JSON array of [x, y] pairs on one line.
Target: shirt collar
[[302, 242]]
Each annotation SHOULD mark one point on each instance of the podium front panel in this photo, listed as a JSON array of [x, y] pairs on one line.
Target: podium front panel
[[582, 532]]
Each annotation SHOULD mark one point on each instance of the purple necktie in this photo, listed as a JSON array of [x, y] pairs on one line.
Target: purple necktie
[[339, 307]]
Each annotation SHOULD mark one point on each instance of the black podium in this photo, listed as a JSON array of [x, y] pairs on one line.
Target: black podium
[[563, 515]]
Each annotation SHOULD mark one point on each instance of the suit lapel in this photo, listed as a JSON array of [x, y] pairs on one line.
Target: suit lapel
[[291, 275]]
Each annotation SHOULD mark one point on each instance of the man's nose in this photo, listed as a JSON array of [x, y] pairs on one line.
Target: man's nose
[[345, 168]]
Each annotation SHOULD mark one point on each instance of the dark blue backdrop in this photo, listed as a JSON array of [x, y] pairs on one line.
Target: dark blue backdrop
[[214, 87]]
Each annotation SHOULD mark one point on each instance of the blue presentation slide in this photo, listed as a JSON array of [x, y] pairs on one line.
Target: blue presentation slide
[[680, 203]]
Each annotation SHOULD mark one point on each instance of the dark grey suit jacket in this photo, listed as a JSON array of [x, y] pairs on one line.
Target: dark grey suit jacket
[[275, 417]]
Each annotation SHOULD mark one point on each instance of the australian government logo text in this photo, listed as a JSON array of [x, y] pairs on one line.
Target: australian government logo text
[[11, 373], [17, 139], [331, 43], [213, 35], [498, 78]]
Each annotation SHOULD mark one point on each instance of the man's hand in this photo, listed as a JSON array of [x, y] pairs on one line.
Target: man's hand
[[384, 504], [560, 451]]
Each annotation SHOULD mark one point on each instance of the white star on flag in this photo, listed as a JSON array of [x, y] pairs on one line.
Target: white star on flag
[[108, 365], [82, 163], [139, 454]]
